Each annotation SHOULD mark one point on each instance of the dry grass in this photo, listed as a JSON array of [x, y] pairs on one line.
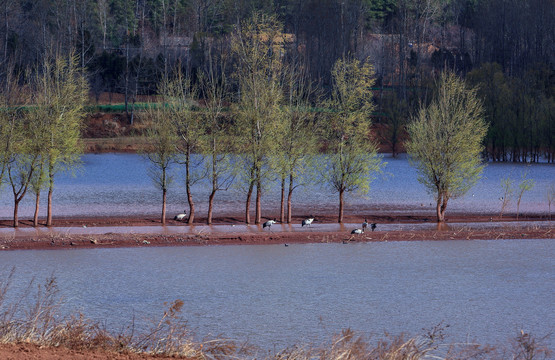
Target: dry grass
[[35, 317]]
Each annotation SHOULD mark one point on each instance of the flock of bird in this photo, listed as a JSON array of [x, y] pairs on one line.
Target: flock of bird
[[306, 222]]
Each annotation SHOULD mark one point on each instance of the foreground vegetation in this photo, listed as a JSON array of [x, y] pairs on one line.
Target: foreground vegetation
[[36, 318]]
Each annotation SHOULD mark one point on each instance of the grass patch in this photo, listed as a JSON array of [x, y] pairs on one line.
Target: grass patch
[[119, 108]]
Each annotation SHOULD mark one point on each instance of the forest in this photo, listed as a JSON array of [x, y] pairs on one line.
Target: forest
[[505, 48]]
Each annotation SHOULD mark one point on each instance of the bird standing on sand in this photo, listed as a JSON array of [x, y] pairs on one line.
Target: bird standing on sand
[[364, 224], [373, 226], [356, 232], [181, 217], [307, 221], [268, 224]]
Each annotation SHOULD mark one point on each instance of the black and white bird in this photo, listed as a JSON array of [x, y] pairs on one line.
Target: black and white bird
[[308, 221], [364, 224], [181, 217], [373, 226], [268, 224], [357, 232]]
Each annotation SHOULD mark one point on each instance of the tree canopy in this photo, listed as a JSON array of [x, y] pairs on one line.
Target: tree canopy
[[446, 139]]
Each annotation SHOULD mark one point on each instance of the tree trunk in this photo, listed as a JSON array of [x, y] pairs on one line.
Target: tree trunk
[[282, 206], [439, 214], [441, 205], [188, 188], [214, 183], [210, 204], [49, 206], [164, 197], [340, 219], [289, 198], [248, 204], [191, 205], [36, 217], [258, 213], [15, 209]]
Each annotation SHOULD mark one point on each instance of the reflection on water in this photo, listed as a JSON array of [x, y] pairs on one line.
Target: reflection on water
[[275, 295], [441, 226], [118, 184]]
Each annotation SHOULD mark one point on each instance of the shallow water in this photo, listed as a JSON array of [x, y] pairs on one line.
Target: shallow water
[[277, 296], [118, 184]]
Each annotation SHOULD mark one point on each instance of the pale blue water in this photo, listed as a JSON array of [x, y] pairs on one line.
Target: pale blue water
[[118, 184], [276, 296]]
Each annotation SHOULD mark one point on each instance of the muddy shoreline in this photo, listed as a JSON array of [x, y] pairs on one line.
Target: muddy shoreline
[[527, 227]]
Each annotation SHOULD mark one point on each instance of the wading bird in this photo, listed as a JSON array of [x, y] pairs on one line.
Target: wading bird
[[268, 224], [308, 221], [181, 217], [355, 232], [364, 224], [373, 226]]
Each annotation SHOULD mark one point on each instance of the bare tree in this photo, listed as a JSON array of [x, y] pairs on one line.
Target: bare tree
[[162, 150], [524, 186], [214, 87], [508, 190]]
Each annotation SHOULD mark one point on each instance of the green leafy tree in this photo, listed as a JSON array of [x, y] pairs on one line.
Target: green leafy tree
[[61, 95], [16, 162], [179, 95], [257, 45], [10, 114], [297, 140], [446, 141], [352, 153], [24, 153], [8, 134]]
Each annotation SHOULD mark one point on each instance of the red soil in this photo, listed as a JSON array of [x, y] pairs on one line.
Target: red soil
[[539, 229], [24, 351]]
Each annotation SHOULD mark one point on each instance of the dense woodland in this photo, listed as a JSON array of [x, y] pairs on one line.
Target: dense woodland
[[504, 47]]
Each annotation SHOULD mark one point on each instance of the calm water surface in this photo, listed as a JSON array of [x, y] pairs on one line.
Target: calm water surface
[[280, 296], [118, 184]]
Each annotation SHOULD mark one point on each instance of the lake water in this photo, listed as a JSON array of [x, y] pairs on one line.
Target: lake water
[[275, 296], [118, 184]]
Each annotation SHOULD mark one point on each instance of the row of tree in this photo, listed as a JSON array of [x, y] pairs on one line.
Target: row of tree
[[274, 131], [274, 135], [40, 127]]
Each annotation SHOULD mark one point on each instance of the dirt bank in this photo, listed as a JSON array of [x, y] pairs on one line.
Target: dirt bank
[[24, 351], [532, 227]]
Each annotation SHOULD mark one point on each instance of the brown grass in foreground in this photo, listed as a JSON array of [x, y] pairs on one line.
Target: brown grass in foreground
[[35, 318]]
